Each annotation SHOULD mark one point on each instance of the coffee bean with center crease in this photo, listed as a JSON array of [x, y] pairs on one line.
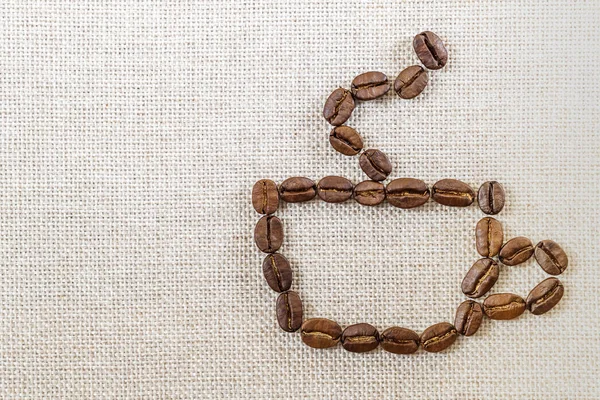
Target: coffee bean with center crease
[[268, 234], [411, 82], [277, 272], [375, 164], [489, 236], [551, 257], [320, 333], [399, 340], [370, 85], [491, 197], [289, 311], [431, 50], [453, 193], [545, 296], [297, 189], [369, 193], [468, 317], [338, 107], [503, 306], [360, 338], [407, 192], [346, 140], [481, 277], [265, 197], [334, 189], [516, 251], [438, 337]]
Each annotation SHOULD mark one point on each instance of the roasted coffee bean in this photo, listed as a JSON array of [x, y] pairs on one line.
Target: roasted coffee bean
[[346, 140], [491, 197], [453, 193], [516, 251], [277, 272], [320, 333], [375, 164], [369, 193], [289, 311], [545, 296], [551, 257], [411, 82], [297, 189], [438, 337], [370, 85], [399, 340], [430, 50], [503, 306], [265, 197], [468, 317], [480, 278], [360, 338], [407, 192], [268, 234], [338, 107], [488, 236], [334, 189]]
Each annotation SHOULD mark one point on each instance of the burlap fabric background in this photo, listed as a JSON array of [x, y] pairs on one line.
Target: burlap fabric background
[[131, 135]]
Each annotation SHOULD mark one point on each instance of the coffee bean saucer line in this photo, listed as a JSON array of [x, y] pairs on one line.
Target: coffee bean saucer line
[[406, 193]]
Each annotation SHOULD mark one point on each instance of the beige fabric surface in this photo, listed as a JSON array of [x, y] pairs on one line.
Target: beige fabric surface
[[131, 133]]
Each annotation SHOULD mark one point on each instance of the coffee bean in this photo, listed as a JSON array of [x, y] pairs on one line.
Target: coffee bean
[[346, 140], [516, 251], [268, 234], [480, 278], [503, 306], [438, 337], [265, 197], [370, 85], [338, 107], [411, 82], [489, 236], [277, 272], [545, 296], [320, 333], [289, 311], [453, 193], [360, 338], [430, 50], [468, 317], [399, 340], [369, 193], [407, 192], [297, 189], [375, 164], [491, 197], [334, 189], [551, 257]]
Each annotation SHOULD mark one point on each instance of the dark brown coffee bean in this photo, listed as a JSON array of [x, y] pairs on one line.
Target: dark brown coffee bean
[[265, 197], [320, 333], [551, 257], [289, 311], [491, 197], [338, 107], [360, 338], [480, 278], [370, 85], [277, 272], [453, 193], [369, 193], [346, 140], [489, 236], [297, 189], [399, 340], [375, 164], [503, 306], [545, 296], [468, 317], [430, 50], [438, 337], [268, 234], [335, 189], [411, 82], [516, 251], [407, 192]]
